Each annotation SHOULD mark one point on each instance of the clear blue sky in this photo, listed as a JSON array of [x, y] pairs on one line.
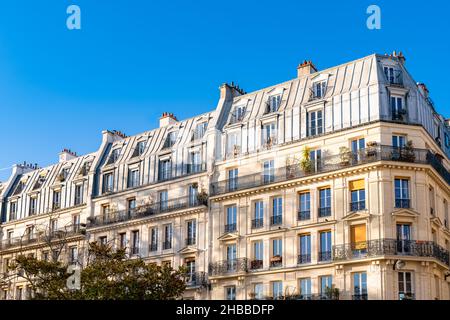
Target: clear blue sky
[[132, 60]]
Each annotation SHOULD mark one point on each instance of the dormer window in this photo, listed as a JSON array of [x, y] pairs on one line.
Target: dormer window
[[19, 188], [62, 176], [269, 134], [40, 181], [113, 156], [139, 149], [273, 103], [319, 90], [165, 170], [393, 76], [238, 114], [170, 140], [199, 131], [398, 109]]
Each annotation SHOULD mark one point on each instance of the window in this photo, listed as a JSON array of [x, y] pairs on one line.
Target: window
[[135, 242], [153, 239], [315, 156], [324, 202], [360, 286], [199, 131], [357, 195], [398, 141], [55, 255], [446, 222], [358, 146], [315, 122], [163, 200], [230, 293], [78, 195], [304, 212], [133, 178], [432, 200], [29, 293], [103, 240], [108, 182], [233, 144], [45, 256], [10, 234], [258, 221], [13, 211], [268, 171], [191, 232], [231, 216], [305, 288], [401, 193], [53, 226], [190, 266], [269, 134], [19, 293], [405, 288], [393, 76], [258, 255], [122, 240], [273, 103], [195, 165], [5, 265], [193, 193], [326, 283], [319, 90], [165, 169], [277, 253], [139, 149], [358, 239], [167, 237], [33, 202], [277, 211], [403, 238], [238, 114], [325, 246], [73, 255], [29, 230], [277, 290], [397, 108], [305, 249], [259, 291], [231, 257], [131, 206], [232, 179], [56, 204], [114, 156], [18, 190]]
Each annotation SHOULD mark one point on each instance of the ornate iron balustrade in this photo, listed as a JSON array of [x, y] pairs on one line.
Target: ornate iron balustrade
[[325, 256], [256, 264], [153, 247], [197, 279], [357, 206], [333, 163], [41, 237], [360, 296], [231, 227], [276, 220], [324, 212], [304, 215], [181, 171], [304, 258], [228, 267], [257, 223], [146, 211], [310, 296], [402, 203], [380, 247]]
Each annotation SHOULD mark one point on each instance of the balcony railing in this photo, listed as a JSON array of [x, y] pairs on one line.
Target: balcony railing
[[167, 245], [196, 279], [228, 267], [360, 296], [333, 163], [41, 237], [304, 215], [181, 171], [325, 256], [146, 211], [390, 247], [406, 296], [309, 296], [153, 247], [357, 206], [324, 212], [257, 223], [402, 203], [190, 241], [231, 227], [276, 220], [276, 262], [395, 78], [304, 258], [256, 264]]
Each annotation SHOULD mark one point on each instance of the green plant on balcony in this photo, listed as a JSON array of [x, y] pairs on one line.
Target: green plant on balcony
[[305, 162], [202, 197], [252, 296], [371, 149], [345, 156], [332, 293], [407, 152]]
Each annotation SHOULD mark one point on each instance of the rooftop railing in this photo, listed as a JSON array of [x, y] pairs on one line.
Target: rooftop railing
[[332, 163], [146, 211]]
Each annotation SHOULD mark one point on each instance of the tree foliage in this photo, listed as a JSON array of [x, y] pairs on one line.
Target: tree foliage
[[108, 275]]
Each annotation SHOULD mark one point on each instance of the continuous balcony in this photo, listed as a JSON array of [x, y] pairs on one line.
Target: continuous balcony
[[181, 171], [196, 279], [333, 163], [304, 215], [227, 267], [390, 247], [146, 211]]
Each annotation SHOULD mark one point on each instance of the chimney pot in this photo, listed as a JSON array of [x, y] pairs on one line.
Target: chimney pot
[[305, 68]]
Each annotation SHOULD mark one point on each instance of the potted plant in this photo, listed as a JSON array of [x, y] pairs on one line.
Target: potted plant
[[407, 152], [371, 148], [202, 197], [305, 163], [332, 293], [252, 295], [345, 155]]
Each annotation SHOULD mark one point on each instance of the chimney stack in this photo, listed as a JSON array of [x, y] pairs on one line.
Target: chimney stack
[[66, 155], [167, 119], [305, 68]]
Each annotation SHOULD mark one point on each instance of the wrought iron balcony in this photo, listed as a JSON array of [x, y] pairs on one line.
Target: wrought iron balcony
[[324, 212], [153, 247], [276, 261], [360, 296], [256, 264], [324, 256], [231, 227], [181, 171], [196, 279], [146, 211], [357, 206], [402, 203], [333, 163], [390, 247], [304, 258], [310, 296], [228, 267], [304, 215], [276, 220], [257, 223]]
